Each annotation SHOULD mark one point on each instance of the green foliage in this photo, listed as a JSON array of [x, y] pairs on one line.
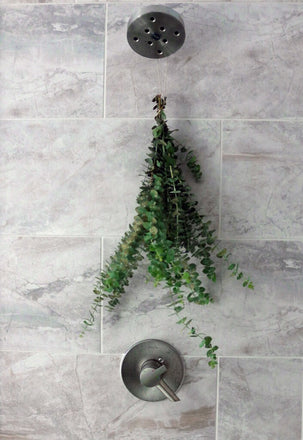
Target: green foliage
[[169, 230]]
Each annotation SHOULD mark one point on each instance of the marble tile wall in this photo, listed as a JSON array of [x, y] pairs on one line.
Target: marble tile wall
[[75, 119]]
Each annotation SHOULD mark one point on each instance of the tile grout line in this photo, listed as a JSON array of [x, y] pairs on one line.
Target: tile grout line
[[259, 155], [217, 401], [220, 183], [105, 60], [209, 2], [8, 235], [302, 409], [101, 308], [148, 118], [97, 353], [196, 118], [240, 239], [186, 356], [261, 239], [260, 357], [193, 2]]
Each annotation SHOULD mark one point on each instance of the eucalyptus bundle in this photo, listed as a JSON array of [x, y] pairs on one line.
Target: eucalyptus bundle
[[171, 232]]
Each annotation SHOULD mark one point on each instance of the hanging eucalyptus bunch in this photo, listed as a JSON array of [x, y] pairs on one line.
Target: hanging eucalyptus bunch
[[170, 231]]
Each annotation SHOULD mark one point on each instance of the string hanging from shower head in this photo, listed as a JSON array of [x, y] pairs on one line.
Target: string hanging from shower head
[[155, 31]]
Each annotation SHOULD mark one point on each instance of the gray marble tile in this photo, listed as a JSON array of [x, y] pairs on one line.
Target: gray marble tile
[[52, 60], [262, 180], [238, 61], [46, 285], [45, 394], [268, 320], [70, 178], [62, 177], [263, 322], [260, 399]]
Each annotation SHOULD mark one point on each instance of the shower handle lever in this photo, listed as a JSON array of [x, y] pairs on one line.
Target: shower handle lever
[[151, 376]]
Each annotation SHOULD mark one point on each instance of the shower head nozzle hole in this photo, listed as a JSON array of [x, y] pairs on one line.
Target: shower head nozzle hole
[[150, 43], [165, 41], [136, 39], [156, 37], [160, 52], [177, 33], [162, 28], [147, 31], [152, 19]]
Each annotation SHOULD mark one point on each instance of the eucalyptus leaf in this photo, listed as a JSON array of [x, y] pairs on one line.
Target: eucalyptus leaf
[[168, 230]]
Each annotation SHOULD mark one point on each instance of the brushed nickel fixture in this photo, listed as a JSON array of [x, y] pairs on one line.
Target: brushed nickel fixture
[[155, 31], [153, 370]]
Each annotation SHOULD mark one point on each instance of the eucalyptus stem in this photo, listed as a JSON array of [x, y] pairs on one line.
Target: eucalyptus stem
[[169, 230], [177, 207]]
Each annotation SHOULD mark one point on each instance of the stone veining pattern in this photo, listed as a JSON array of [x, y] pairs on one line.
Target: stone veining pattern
[[75, 117]]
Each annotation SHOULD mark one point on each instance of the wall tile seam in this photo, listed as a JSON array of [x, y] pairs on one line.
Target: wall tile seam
[[219, 358], [193, 2], [185, 356], [33, 235], [264, 156], [101, 308], [261, 357], [68, 3], [98, 237], [151, 118], [279, 159], [217, 400], [105, 60], [206, 2], [238, 239], [96, 353], [220, 179]]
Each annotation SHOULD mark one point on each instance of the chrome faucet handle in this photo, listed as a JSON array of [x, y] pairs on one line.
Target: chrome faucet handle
[[152, 370], [151, 376]]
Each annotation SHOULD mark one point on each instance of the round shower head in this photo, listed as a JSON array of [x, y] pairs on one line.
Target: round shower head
[[155, 31]]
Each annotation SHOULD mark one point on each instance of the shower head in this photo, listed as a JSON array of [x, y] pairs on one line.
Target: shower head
[[155, 31]]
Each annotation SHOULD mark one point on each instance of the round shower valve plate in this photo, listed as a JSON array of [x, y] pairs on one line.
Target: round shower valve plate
[[151, 350], [155, 31]]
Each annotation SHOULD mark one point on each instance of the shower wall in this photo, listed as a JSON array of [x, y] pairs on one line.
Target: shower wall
[[76, 117]]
